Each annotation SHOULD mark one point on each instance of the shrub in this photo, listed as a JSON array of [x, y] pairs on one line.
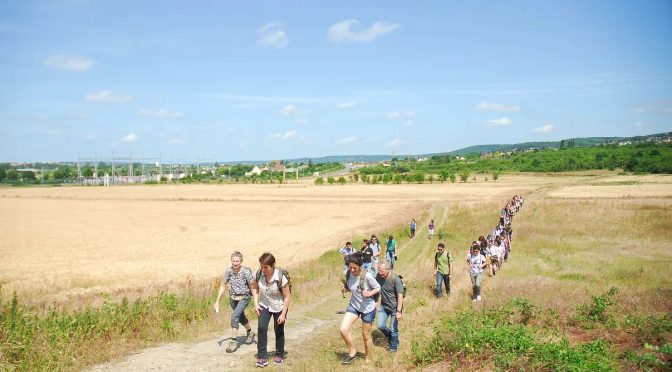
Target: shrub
[[319, 181]]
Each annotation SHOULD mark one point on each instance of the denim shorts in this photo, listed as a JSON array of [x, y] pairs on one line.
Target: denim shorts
[[366, 318]]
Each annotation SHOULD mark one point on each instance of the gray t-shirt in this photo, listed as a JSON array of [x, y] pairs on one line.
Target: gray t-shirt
[[389, 289], [361, 304]]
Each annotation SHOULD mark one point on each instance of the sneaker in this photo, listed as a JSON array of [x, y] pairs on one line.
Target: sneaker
[[250, 337], [473, 299], [261, 362], [348, 359], [278, 359], [478, 298], [233, 346]]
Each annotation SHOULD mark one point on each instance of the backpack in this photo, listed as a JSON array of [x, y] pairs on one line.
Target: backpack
[[283, 272], [360, 286], [403, 284]]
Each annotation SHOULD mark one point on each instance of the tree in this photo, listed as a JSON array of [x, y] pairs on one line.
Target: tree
[[87, 171], [397, 178], [3, 174], [430, 178], [443, 175], [419, 177], [356, 176], [341, 180], [331, 180], [464, 176], [319, 181], [495, 175], [387, 178], [452, 178], [12, 175], [310, 163]]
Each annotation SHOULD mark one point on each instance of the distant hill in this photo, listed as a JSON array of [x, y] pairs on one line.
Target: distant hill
[[578, 142]]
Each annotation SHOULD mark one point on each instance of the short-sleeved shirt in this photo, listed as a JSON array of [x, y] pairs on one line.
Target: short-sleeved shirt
[[391, 245], [357, 300], [239, 283], [412, 225], [375, 247], [389, 289], [367, 253], [431, 226], [270, 297], [346, 252], [443, 262], [476, 262]]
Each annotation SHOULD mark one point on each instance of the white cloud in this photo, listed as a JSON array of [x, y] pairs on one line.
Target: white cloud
[[131, 137], [176, 141], [290, 135], [485, 106], [398, 115], [347, 140], [394, 115], [409, 124], [499, 122], [107, 96], [161, 113], [291, 110], [343, 32], [640, 124], [272, 35], [68, 63], [345, 105], [545, 128], [395, 142]]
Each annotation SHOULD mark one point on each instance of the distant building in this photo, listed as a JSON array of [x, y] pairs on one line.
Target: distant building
[[254, 172]]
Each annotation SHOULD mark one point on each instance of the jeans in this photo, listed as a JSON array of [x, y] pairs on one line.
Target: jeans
[[389, 255], [391, 334], [375, 266], [262, 333], [367, 267], [476, 284], [238, 314], [441, 279]]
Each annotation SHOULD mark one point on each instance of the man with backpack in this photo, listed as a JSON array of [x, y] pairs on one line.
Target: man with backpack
[[391, 303], [442, 260]]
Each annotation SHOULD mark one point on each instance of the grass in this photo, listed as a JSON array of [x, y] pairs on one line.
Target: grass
[[550, 308]]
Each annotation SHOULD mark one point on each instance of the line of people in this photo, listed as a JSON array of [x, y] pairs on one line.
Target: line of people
[[365, 276], [492, 251]]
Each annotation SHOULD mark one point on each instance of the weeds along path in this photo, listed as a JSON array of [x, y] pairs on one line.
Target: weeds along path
[[311, 333]]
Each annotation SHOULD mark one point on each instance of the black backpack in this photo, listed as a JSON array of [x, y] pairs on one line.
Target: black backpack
[[283, 272], [403, 284]]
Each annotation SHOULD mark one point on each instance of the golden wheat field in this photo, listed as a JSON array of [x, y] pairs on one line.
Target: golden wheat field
[[65, 246]]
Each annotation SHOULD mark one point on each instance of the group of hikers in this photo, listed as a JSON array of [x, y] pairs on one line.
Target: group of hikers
[[367, 276], [492, 251]]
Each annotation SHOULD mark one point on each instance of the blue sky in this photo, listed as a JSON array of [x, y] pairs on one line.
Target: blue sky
[[254, 80]]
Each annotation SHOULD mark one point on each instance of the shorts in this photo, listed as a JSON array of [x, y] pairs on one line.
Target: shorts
[[366, 318]]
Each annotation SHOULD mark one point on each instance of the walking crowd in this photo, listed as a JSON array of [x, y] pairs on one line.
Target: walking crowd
[[368, 278]]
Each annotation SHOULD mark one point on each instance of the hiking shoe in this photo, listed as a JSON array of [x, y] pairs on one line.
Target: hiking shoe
[[348, 359], [233, 346], [261, 362], [278, 359], [478, 298], [250, 337]]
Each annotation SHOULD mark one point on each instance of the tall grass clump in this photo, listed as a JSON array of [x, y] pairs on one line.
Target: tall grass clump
[[71, 340], [499, 337]]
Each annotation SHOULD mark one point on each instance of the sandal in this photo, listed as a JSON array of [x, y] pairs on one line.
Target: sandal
[[233, 346]]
